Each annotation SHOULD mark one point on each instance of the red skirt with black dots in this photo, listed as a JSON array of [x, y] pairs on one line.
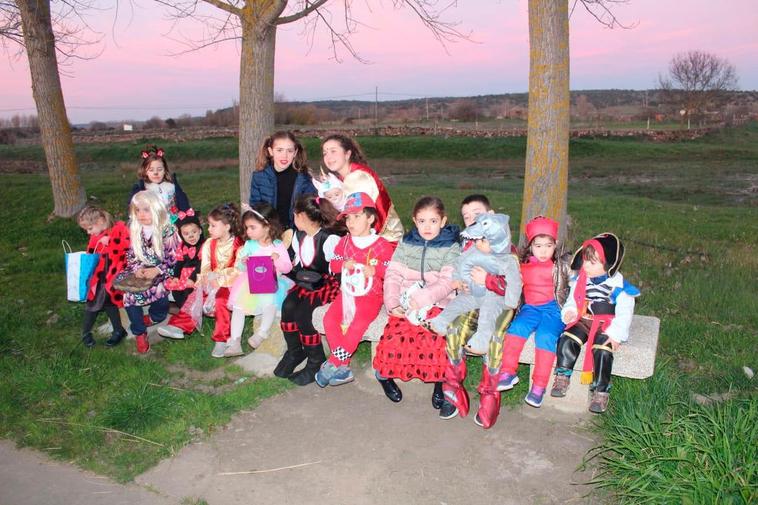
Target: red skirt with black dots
[[407, 352]]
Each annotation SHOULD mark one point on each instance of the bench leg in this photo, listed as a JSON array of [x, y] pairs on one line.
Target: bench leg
[[576, 399]]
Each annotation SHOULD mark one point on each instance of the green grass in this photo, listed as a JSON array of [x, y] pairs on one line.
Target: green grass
[[685, 211]]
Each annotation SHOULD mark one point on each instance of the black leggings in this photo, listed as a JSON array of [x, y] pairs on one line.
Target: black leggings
[[299, 310], [110, 310]]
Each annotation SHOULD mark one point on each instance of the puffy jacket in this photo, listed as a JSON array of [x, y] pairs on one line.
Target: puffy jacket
[[263, 188]]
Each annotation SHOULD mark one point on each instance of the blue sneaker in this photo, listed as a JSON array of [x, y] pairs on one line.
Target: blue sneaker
[[325, 373], [535, 396], [342, 375], [507, 381]]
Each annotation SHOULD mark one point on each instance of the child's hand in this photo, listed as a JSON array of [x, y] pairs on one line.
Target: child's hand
[[369, 271], [214, 284], [614, 345], [397, 311], [189, 283], [274, 256], [457, 285], [484, 246], [104, 241], [569, 316], [348, 265], [479, 275]]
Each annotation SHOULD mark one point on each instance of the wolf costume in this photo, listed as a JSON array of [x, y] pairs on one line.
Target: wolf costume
[[494, 228]]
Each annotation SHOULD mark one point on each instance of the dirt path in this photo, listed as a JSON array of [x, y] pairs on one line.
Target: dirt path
[[357, 448]]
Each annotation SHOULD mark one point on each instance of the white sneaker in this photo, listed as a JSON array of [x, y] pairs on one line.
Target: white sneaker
[[233, 348], [256, 340], [218, 350], [169, 331]]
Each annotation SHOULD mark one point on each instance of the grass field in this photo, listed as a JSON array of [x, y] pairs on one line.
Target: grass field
[[688, 212]]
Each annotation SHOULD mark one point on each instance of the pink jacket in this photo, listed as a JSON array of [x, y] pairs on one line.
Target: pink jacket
[[399, 277]]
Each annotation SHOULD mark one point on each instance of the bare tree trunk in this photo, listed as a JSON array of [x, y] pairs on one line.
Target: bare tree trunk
[[546, 174], [68, 193], [256, 107]]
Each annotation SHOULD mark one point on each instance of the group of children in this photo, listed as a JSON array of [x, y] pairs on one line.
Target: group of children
[[304, 242]]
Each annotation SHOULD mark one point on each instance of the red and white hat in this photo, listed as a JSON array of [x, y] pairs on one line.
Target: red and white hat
[[541, 225], [356, 202]]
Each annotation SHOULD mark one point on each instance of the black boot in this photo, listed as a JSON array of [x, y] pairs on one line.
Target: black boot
[[316, 357], [437, 396], [391, 390], [294, 355], [116, 337], [88, 340]]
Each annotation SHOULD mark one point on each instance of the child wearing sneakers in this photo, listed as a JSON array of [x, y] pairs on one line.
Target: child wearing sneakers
[[598, 312], [545, 273], [264, 234], [186, 271], [362, 258], [149, 262], [217, 272], [111, 241]]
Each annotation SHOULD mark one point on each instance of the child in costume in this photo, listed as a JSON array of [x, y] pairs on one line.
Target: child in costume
[[111, 241], [492, 255], [343, 157], [151, 258], [417, 285], [330, 187], [263, 231], [361, 257], [187, 269], [155, 176], [313, 248], [598, 312], [545, 273], [281, 176], [217, 272]]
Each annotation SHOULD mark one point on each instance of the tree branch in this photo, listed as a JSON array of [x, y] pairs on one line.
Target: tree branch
[[225, 7], [310, 7]]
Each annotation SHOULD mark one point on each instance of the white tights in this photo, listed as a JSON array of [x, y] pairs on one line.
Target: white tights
[[238, 322]]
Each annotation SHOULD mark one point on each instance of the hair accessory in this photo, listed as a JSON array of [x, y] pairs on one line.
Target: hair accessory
[[318, 200], [145, 154], [159, 152], [259, 215], [189, 213]]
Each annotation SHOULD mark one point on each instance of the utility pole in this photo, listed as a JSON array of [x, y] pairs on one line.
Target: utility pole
[[376, 108]]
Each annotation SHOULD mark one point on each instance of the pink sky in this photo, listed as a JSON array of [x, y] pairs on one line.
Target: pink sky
[[135, 76]]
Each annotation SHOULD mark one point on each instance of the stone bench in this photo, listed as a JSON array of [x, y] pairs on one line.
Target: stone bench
[[635, 359]]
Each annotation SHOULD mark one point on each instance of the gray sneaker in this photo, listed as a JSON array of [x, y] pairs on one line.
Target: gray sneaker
[[560, 385], [169, 331], [218, 350], [233, 348], [599, 403]]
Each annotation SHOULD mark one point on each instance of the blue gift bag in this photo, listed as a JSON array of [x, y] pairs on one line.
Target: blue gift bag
[[79, 269]]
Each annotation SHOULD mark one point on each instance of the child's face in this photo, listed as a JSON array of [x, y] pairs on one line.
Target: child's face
[[256, 230], [336, 196], [471, 210], [282, 152], [144, 216], [190, 233], [359, 224], [155, 172], [218, 229], [336, 159], [429, 223], [593, 267], [95, 227], [543, 247]]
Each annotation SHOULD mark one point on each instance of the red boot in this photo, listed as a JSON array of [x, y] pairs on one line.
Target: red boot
[[143, 344], [453, 388], [489, 399]]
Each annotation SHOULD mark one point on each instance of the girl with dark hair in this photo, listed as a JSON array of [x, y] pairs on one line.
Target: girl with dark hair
[[344, 158], [217, 270], [418, 283], [264, 235], [281, 175], [154, 175], [313, 247]]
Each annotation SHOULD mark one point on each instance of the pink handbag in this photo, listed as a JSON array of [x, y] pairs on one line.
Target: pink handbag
[[261, 275]]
